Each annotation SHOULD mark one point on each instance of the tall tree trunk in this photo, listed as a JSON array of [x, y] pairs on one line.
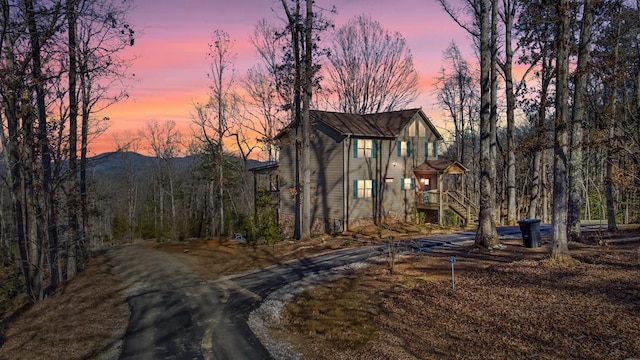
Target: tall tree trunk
[[611, 144], [537, 181], [509, 13], [493, 159], [212, 206], [12, 156], [72, 202], [581, 79], [49, 213], [559, 247], [486, 234], [33, 201], [220, 154], [293, 21], [306, 123], [84, 142]]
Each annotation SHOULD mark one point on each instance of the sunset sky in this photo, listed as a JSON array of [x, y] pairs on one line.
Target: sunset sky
[[172, 39]]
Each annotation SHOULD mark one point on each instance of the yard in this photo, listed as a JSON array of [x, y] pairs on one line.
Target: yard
[[508, 303]]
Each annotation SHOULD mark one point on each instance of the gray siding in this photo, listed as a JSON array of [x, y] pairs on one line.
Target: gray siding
[[327, 181], [391, 199], [330, 150], [287, 163], [326, 175]]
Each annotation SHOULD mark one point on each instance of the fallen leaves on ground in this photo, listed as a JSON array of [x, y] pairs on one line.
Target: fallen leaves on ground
[[526, 307]]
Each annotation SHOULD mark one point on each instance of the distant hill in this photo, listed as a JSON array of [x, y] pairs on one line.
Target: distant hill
[[115, 163]]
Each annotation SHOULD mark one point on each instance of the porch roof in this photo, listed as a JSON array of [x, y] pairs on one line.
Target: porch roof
[[440, 166], [269, 167]]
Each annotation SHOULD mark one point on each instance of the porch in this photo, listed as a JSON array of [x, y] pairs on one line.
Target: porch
[[432, 198], [454, 201]]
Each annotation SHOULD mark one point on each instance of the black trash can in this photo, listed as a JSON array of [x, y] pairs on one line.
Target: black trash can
[[530, 229]]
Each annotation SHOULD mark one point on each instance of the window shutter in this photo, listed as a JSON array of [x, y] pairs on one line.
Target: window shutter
[[355, 148], [402, 184], [413, 183], [426, 149], [408, 148], [435, 149], [355, 189], [374, 148], [374, 188], [399, 146]]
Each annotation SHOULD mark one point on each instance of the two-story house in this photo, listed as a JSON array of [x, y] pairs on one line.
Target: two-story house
[[365, 168]]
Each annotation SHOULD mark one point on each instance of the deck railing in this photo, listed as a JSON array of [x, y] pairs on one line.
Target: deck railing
[[453, 200]]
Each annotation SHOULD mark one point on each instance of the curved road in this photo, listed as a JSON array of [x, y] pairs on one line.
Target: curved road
[[176, 314]]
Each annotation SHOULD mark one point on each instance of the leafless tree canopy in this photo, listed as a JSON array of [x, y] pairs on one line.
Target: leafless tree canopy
[[371, 70]]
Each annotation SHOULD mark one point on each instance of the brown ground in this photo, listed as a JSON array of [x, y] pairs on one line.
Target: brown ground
[[507, 304]]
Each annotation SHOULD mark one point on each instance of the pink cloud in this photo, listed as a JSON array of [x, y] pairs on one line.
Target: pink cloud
[[172, 64]]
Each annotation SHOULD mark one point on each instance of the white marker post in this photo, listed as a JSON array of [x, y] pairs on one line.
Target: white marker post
[[452, 260]]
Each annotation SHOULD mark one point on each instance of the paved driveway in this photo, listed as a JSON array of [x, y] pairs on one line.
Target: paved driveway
[[176, 314]]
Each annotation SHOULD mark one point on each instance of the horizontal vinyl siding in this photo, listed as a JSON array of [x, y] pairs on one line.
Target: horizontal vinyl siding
[[326, 164], [361, 168], [394, 202], [287, 169], [326, 177]]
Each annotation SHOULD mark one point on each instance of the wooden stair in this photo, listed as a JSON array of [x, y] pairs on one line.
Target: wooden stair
[[462, 206]]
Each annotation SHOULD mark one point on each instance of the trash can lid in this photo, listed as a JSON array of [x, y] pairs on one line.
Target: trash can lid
[[528, 221]]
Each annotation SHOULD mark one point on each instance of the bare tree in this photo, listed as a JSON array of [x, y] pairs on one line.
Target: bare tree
[[534, 33], [487, 233], [40, 63], [166, 143], [481, 25], [578, 115], [73, 194], [125, 144], [293, 19], [213, 118], [508, 14], [307, 82], [455, 92], [559, 247], [102, 33], [371, 69], [48, 211], [264, 110], [614, 113]]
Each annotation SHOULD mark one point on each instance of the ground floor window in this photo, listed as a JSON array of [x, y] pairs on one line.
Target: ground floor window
[[408, 184], [364, 189]]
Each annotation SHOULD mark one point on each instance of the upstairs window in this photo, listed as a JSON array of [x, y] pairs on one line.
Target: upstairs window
[[404, 148], [422, 131], [364, 148], [417, 128], [434, 149], [364, 189]]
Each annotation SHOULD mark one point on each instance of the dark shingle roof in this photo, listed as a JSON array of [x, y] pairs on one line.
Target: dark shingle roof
[[438, 165], [388, 124]]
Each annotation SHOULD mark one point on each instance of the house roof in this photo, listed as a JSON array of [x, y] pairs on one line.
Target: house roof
[[380, 125], [440, 165], [264, 168]]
